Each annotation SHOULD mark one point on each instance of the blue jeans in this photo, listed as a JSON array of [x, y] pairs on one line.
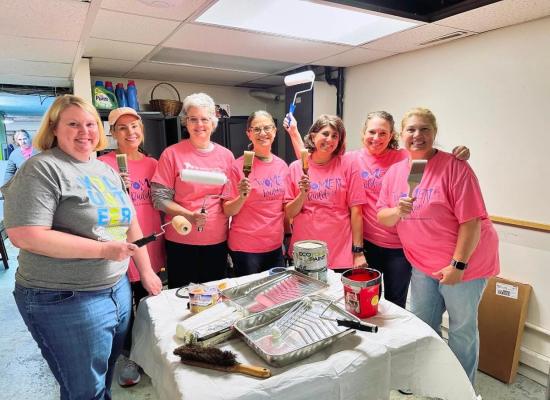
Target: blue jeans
[[251, 263], [80, 334], [395, 269], [430, 299]]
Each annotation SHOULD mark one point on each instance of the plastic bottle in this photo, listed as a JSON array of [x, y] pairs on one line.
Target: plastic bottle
[[121, 95], [103, 98], [131, 96]]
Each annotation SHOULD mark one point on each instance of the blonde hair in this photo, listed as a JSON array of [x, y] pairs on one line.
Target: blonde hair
[[45, 139], [421, 112]]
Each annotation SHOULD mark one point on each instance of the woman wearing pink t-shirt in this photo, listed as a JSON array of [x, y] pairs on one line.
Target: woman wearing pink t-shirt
[[446, 235], [127, 129], [200, 256], [326, 203], [257, 202]]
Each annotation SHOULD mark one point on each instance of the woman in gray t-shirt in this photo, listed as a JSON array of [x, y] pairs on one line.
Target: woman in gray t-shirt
[[74, 223]]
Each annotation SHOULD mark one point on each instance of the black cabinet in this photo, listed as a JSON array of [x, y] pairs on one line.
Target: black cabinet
[[159, 131]]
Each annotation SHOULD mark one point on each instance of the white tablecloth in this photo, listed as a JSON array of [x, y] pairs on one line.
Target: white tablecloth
[[405, 353]]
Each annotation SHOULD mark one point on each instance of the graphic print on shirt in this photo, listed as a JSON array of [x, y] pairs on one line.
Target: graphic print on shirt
[[270, 187], [325, 190], [423, 197], [141, 191], [372, 180], [113, 211]]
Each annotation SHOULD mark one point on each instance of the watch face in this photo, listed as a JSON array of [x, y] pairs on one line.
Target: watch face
[[459, 265]]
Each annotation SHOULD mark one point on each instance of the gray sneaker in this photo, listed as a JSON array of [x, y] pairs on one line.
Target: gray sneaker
[[129, 373]]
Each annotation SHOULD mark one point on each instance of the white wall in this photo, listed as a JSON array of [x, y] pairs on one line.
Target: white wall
[[491, 92]]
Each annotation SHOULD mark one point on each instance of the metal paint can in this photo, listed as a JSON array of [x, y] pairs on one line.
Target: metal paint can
[[201, 297], [361, 291], [311, 258]]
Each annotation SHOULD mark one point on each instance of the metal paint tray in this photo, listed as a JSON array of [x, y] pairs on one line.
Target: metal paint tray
[[306, 335], [273, 290]]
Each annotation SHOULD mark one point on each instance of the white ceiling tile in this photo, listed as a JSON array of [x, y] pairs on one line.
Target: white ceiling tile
[[191, 74], [12, 79], [180, 11], [116, 50], [273, 80], [38, 49], [498, 15], [354, 57], [246, 44], [38, 68], [108, 67], [411, 39], [131, 28], [47, 19]]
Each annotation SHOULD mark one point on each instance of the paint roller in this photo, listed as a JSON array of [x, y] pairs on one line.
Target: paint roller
[[216, 178], [299, 79], [179, 223]]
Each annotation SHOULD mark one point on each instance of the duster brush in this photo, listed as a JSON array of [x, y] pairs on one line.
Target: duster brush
[[220, 360]]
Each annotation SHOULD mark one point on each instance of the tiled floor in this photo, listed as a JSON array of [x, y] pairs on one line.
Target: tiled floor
[[24, 375]]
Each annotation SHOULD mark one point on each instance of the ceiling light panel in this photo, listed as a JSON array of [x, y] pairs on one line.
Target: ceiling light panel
[[303, 19]]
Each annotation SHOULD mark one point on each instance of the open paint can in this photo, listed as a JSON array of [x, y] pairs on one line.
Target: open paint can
[[361, 288], [311, 258], [201, 297]]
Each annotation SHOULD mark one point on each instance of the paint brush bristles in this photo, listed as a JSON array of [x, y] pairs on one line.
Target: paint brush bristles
[[248, 159], [305, 164], [220, 360], [122, 162], [415, 175]]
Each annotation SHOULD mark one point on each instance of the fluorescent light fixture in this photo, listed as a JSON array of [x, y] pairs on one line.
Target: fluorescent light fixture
[[8, 120], [303, 19]]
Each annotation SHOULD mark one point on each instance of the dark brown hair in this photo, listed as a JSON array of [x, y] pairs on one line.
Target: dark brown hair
[[323, 121]]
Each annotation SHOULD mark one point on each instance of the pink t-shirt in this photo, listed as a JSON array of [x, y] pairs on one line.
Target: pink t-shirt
[[141, 172], [325, 215], [448, 195], [191, 195], [258, 227], [372, 169]]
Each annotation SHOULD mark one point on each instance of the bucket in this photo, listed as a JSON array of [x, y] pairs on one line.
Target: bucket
[[201, 297], [311, 258], [361, 288]]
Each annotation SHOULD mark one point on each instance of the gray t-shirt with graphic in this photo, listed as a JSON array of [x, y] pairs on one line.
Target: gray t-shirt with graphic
[[85, 199]]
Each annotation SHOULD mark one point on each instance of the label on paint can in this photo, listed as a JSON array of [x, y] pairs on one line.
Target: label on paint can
[[311, 258]]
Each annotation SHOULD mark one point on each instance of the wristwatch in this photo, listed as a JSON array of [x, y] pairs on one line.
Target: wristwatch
[[356, 249], [459, 264]]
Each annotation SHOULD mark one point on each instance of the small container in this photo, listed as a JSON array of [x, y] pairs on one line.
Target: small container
[[311, 258], [361, 289], [201, 297], [131, 95], [121, 95]]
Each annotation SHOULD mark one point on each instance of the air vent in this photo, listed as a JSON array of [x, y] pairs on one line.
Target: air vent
[[448, 36]]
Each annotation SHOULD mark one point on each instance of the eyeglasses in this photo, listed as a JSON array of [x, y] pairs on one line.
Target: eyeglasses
[[195, 121], [258, 129]]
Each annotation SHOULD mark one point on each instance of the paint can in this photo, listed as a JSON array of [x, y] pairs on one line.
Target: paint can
[[201, 297], [311, 258], [361, 289]]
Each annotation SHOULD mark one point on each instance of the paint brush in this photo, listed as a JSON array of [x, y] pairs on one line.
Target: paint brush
[[415, 175], [220, 360], [122, 162], [305, 163], [248, 159]]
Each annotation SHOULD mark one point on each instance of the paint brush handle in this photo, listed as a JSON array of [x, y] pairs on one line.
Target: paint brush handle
[[360, 326], [143, 241], [252, 370]]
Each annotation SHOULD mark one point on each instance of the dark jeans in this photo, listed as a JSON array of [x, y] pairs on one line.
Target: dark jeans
[[395, 268], [138, 293], [251, 263], [186, 263]]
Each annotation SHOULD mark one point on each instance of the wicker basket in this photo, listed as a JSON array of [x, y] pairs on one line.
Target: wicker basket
[[170, 108]]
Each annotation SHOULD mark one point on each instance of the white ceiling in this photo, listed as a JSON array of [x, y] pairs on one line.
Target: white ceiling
[[44, 40]]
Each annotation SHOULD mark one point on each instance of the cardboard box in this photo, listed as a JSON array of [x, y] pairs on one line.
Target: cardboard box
[[502, 314]]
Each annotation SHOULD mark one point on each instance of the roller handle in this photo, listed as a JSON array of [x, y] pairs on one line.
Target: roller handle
[[290, 111], [201, 228], [143, 241], [360, 326]]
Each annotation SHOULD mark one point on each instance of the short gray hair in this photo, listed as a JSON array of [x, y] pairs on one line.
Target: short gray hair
[[201, 100], [21, 132]]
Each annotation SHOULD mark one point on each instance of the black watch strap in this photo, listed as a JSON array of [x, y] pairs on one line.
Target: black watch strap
[[459, 264], [356, 249]]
